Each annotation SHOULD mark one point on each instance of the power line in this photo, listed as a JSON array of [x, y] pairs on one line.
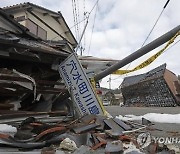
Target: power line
[[93, 28], [75, 23], [79, 22], [167, 2], [164, 51], [84, 15], [155, 22], [94, 6], [173, 45], [78, 17]]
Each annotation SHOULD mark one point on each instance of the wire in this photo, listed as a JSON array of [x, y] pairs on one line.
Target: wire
[[155, 23], [94, 6], [78, 23], [71, 27], [84, 13], [75, 23], [78, 18], [164, 51], [86, 17], [152, 28], [93, 28], [173, 45]]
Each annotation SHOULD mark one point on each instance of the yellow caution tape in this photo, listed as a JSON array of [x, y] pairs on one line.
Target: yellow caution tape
[[149, 60], [93, 83]]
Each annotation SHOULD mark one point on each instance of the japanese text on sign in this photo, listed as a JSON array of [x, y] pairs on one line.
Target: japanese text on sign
[[77, 81]]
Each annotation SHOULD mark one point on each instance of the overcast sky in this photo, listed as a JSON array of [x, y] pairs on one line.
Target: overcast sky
[[120, 28]]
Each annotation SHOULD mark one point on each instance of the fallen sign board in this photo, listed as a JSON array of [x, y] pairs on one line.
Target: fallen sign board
[[80, 87]]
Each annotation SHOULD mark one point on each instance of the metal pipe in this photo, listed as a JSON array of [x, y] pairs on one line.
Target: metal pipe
[[140, 52]]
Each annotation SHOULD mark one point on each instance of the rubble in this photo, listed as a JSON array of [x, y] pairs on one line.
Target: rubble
[[35, 102], [69, 134], [114, 147], [29, 79], [68, 144]]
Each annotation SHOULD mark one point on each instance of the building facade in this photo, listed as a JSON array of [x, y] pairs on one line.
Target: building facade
[[44, 23]]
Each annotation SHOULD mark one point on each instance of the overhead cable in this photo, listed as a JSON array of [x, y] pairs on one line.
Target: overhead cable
[[94, 6], [155, 23], [84, 15], [75, 23], [153, 26], [93, 28]]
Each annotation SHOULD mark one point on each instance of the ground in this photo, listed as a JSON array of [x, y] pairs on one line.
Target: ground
[[162, 129]]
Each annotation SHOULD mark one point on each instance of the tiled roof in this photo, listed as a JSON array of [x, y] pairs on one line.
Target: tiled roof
[[27, 5], [155, 73]]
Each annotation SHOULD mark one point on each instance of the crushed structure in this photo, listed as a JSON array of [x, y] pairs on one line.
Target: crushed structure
[[51, 132], [158, 87], [30, 51], [29, 79]]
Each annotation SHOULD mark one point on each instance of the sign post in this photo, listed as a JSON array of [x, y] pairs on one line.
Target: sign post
[[80, 87]]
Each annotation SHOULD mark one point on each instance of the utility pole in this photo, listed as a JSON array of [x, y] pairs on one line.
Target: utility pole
[[140, 52]]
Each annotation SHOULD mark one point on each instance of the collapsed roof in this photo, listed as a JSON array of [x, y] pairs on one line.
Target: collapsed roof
[[158, 87], [26, 68]]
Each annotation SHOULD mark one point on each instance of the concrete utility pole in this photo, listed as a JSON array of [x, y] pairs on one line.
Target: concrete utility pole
[[140, 52]]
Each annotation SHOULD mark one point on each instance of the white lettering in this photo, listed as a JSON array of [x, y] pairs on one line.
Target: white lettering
[[161, 140]]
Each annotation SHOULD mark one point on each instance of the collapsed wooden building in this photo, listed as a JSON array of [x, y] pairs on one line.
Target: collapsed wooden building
[[158, 87], [29, 77]]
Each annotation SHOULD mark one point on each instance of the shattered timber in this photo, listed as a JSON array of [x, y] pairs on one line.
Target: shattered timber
[[37, 110]]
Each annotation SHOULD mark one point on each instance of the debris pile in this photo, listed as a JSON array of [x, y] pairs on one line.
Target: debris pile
[[29, 79], [90, 133]]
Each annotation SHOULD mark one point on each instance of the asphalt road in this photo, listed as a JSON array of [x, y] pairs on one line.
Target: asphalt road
[[162, 129], [117, 110]]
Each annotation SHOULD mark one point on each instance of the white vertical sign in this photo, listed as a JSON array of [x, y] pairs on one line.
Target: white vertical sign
[[78, 83]]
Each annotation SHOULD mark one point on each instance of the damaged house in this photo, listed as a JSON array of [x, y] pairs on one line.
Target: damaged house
[[158, 87], [43, 23], [33, 41]]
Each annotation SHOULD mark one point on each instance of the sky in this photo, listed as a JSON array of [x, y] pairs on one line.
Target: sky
[[117, 28]]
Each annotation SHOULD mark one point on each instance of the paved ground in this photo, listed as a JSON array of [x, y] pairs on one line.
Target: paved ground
[[165, 129], [116, 110]]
